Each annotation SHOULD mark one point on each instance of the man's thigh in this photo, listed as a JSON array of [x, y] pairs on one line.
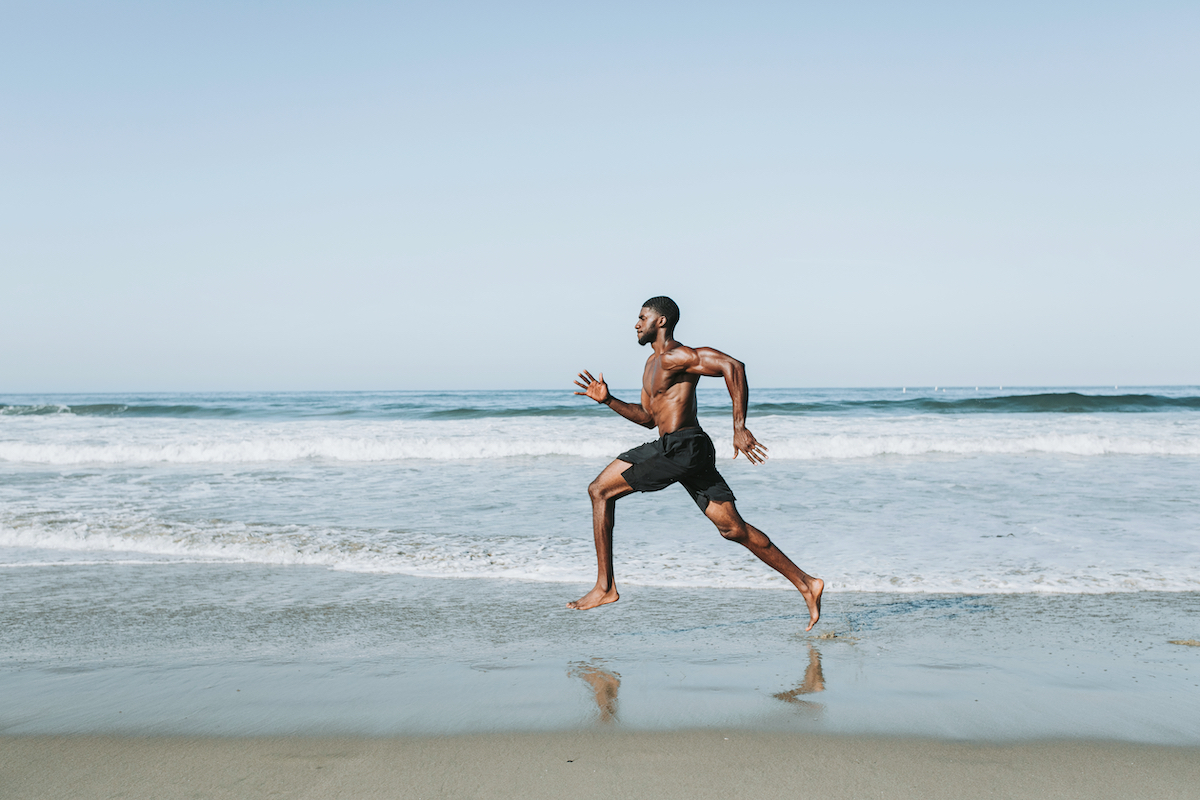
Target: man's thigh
[[610, 482], [723, 513]]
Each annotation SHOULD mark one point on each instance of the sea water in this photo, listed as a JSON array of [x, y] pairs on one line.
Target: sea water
[[998, 564], [958, 490]]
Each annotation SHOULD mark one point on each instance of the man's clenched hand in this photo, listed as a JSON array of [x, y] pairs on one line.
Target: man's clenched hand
[[595, 388]]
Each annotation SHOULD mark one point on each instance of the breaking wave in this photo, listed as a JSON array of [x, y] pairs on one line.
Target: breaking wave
[[281, 449], [509, 405], [112, 541]]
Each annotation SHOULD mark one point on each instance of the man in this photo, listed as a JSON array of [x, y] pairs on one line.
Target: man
[[683, 454]]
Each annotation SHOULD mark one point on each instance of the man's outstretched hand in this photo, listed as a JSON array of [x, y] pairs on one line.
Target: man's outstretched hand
[[594, 388], [745, 443]]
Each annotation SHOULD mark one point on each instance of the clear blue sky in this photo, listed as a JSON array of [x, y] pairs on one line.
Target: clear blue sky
[[446, 195]]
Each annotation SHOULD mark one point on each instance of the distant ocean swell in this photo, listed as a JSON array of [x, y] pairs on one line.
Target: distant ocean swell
[[429, 408], [1049, 403], [387, 411], [116, 409], [284, 449], [556, 559]]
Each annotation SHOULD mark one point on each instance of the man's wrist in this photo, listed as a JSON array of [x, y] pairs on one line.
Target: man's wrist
[[607, 401]]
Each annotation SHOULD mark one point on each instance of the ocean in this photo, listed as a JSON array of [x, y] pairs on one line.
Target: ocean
[[953, 490], [404, 557]]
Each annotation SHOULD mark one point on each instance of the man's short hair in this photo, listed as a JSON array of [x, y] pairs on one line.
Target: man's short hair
[[665, 306]]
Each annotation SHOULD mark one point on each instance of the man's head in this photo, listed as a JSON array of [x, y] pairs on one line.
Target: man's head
[[657, 313]]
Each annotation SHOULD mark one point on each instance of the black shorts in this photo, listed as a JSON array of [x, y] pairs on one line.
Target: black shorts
[[685, 456]]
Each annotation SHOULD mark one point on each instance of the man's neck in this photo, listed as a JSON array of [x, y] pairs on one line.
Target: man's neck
[[663, 343]]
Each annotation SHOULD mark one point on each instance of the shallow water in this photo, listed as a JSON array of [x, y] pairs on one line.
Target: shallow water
[[219, 649]]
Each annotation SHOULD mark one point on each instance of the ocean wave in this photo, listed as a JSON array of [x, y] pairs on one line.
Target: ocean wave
[[100, 542], [280, 449], [479, 405], [468, 412], [355, 550], [295, 411], [836, 446], [1046, 403], [283, 449], [117, 409]]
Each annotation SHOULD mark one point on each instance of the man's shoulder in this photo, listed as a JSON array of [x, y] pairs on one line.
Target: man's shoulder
[[679, 354]]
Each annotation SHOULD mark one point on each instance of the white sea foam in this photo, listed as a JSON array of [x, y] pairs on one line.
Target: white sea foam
[[848, 446], [352, 449], [72, 441], [549, 559], [374, 450], [352, 550]]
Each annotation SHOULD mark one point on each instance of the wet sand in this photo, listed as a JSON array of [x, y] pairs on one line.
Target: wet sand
[[240, 682], [246, 651], [695, 764]]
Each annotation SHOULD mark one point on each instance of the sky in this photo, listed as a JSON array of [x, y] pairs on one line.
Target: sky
[[335, 196]]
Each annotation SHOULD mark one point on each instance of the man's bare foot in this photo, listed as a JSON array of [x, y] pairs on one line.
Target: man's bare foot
[[596, 597], [812, 598]]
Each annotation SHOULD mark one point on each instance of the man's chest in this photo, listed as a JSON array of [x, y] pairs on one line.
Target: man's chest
[[657, 381]]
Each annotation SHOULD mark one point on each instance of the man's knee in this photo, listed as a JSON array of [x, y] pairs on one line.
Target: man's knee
[[729, 523], [601, 489], [610, 483], [735, 530]]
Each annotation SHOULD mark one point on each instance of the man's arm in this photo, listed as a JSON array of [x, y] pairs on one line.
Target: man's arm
[[710, 362], [597, 389]]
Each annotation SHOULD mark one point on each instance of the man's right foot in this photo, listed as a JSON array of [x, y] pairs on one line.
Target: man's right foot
[[596, 597], [812, 598]]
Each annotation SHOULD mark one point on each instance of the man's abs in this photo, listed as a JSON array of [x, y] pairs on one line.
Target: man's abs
[[675, 408]]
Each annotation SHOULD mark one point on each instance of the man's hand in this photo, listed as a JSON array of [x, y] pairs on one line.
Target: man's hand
[[595, 388], [745, 443]]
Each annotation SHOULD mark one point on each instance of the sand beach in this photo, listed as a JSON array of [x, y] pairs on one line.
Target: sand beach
[[684, 764]]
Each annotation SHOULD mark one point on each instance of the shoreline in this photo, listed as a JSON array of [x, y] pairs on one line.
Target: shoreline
[[587, 764], [200, 651]]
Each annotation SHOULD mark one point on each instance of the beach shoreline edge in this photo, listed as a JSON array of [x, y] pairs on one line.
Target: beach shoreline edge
[[589, 763]]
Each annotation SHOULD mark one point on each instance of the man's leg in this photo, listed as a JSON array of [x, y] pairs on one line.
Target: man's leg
[[608, 487], [731, 525]]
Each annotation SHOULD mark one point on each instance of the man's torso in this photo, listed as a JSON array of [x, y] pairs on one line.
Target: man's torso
[[669, 396]]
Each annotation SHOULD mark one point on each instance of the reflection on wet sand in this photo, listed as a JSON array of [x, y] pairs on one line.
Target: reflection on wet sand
[[604, 684], [814, 681]]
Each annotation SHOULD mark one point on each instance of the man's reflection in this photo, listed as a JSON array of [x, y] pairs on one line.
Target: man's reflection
[[604, 684], [814, 681]]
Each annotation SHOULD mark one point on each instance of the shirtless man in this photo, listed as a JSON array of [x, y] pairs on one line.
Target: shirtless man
[[684, 454]]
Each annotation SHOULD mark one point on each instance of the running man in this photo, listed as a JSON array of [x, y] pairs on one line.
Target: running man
[[683, 454]]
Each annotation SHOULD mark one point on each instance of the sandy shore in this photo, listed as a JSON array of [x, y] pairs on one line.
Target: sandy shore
[[728, 764]]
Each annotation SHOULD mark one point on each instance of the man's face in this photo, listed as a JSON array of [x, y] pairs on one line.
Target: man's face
[[647, 326]]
